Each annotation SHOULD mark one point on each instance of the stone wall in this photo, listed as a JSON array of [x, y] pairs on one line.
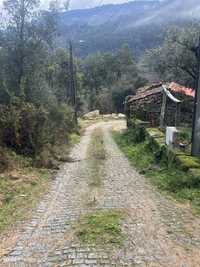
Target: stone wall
[[149, 108]]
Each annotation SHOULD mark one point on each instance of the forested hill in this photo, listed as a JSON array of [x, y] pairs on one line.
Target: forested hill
[[107, 27], [128, 12], [141, 24]]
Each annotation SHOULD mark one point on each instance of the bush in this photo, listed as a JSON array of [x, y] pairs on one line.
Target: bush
[[28, 129]]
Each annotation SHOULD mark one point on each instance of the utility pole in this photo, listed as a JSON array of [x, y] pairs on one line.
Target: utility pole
[[196, 115], [72, 78]]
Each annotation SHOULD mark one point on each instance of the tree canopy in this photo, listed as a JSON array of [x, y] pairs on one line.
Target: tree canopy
[[176, 58]]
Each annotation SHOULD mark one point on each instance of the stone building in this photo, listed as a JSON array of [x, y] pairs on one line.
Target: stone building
[[147, 103]]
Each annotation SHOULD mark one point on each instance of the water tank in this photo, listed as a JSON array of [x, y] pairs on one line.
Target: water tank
[[171, 136]]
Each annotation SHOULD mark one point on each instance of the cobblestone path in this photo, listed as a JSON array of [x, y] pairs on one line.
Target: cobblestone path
[[158, 231]]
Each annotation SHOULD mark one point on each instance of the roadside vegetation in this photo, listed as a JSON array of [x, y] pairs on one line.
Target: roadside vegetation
[[101, 228], [96, 156], [37, 125], [165, 175], [22, 184]]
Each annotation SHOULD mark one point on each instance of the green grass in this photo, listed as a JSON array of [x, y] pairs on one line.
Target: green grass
[[74, 139], [96, 155], [185, 135], [168, 178], [101, 228]]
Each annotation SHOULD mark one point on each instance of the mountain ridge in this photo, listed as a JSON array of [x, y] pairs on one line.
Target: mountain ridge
[[141, 24]]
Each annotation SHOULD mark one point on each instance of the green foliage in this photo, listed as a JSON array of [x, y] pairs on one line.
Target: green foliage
[[109, 78], [167, 177], [101, 228], [111, 26], [175, 59], [27, 129], [34, 82], [188, 162]]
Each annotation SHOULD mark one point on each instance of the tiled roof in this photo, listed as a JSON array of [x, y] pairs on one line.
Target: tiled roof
[[175, 87], [157, 88], [145, 93]]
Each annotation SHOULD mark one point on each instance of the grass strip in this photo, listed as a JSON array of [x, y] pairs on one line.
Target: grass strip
[[96, 155], [176, 183], [101, 228]]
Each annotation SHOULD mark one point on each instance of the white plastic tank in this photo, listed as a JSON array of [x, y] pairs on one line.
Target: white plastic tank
[[171, 135]]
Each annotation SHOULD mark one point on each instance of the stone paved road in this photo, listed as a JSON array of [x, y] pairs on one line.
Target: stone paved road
[[159, 232]]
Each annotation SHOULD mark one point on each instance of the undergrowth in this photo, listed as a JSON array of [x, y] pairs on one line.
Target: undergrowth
[[167, 177]]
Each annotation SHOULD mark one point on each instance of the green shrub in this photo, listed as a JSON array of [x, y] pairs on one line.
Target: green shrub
[[28, 129]]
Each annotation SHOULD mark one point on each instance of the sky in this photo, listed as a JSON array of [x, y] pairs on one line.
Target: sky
[[91, 3], [80, 4]]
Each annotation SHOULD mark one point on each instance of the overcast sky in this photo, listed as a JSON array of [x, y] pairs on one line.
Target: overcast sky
[[91, 3], [76, 4]]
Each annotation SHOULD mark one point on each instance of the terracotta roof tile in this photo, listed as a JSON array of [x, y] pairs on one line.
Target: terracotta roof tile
[[157, 88], [175, 87]]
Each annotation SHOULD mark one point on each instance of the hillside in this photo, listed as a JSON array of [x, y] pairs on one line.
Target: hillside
[[142, 24], [131, 11]]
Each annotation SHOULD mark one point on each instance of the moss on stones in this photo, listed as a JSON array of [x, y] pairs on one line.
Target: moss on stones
[[154, 139], [195, 173], [187, 162], [155, 132]]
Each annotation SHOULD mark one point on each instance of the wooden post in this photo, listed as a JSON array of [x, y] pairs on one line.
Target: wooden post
[[163, 109], [177, 115], [73, 93], [196, 115]]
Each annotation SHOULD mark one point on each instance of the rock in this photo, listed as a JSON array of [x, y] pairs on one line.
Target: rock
[[92, 115], [66, 158], [107, 116], [186, 162], [52, 164], [14, 177], [114, 116], [121, 116], [47, 163]]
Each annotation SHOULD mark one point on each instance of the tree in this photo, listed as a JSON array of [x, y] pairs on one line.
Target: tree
[[176, 58], [66, 5], [58, 74], [19, 14], [110, 76], [27, 44]]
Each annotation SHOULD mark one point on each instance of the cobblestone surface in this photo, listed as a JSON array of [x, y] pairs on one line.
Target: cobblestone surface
[[159, 233]]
